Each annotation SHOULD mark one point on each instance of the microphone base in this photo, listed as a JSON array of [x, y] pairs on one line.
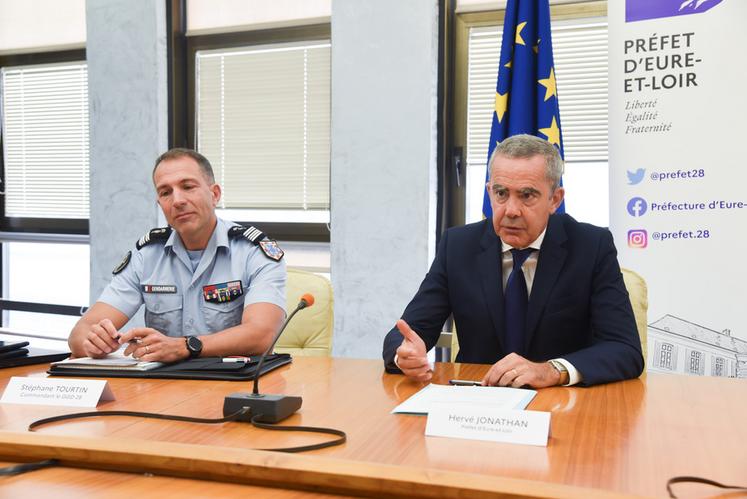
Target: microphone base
[[273, 408]]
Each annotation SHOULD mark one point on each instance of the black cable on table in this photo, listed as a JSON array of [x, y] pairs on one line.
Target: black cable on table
[[17, 469], [695, 479], [310, 429], [231, 417]]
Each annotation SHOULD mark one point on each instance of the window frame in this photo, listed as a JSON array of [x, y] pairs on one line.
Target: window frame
[[37, 229], [695, 362], [27, 224], [288, 231], [665, 357], [9, 305], [719, 366]]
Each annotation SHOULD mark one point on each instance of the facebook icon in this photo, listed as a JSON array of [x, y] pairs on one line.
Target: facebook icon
[[637, 206]]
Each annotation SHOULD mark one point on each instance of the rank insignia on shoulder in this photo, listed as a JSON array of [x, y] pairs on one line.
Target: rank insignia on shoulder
[[123, 264], [252, 234], [160, 234]]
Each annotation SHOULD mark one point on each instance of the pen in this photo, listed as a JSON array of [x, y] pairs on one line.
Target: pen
[[236, 358], [464, 382]]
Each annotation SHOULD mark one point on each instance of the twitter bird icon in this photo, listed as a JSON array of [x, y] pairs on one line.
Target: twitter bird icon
[[636, 176]]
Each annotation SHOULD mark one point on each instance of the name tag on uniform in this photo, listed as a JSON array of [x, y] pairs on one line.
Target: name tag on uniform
[[222, 292], [158, 288]]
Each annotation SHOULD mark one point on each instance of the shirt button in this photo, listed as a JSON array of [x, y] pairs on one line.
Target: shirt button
[[156, 306], [191, 321]]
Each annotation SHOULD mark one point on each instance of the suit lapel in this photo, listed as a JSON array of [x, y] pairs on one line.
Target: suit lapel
[[551, 259], [489, 264]]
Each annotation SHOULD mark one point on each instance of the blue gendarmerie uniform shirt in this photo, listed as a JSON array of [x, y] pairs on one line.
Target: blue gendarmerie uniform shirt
[[180, 302]]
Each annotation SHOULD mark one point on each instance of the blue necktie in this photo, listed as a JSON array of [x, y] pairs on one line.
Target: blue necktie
[[515, 300]]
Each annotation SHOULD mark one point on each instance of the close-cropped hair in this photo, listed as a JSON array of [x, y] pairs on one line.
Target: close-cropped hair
[[180, 152], [526, 146]]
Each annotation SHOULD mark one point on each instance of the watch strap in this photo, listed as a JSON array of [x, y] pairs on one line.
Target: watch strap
[[562, 370]]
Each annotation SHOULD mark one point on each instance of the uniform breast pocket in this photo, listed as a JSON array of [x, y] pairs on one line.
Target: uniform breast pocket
[[219, 316], [163, 312]]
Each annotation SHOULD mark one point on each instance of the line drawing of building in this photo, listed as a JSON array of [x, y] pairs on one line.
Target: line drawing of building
[[679, 346]]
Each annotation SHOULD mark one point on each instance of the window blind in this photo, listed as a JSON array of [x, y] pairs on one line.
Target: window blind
[[45, 140], [580, 54], [263, 121]]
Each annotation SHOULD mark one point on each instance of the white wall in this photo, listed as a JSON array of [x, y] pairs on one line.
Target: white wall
[[223, 16], [39, 25]]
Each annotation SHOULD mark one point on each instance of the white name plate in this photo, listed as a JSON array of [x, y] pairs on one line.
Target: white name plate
[[54, 391], [480, 423]]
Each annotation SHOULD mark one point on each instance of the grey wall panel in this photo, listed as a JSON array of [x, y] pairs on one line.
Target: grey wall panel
[[126, 52], [384, 110]]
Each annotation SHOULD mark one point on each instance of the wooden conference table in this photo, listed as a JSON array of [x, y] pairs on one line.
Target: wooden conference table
[[621, 439]]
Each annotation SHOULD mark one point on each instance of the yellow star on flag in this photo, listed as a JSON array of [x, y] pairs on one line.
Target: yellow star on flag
[[549, 84], [552, 133], [507, 65], [519, 39], [537, 47], [501, 104]]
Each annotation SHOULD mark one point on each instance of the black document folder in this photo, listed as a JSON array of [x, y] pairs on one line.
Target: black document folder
[[11, 354], [30, 355], [204, 368], [10, 347]]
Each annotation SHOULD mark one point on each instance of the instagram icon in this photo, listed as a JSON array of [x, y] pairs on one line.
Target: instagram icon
[[637, 238]]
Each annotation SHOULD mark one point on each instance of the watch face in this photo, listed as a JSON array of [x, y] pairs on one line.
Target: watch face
[[194, 344]]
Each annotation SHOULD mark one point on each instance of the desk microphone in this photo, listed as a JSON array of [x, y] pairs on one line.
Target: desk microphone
[[266, 408]]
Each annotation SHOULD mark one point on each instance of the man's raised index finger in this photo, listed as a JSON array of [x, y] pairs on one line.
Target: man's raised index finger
[[407, 331]]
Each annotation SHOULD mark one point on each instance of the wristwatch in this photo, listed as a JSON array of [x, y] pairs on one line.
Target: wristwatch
[[564, 376], [194, 346]]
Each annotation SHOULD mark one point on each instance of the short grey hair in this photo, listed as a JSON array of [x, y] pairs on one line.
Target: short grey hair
[[526, 146], [180, 152]]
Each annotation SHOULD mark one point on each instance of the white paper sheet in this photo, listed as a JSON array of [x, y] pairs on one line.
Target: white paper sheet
[[484, 396]]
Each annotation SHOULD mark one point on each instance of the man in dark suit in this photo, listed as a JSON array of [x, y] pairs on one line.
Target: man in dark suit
[[537, 294]]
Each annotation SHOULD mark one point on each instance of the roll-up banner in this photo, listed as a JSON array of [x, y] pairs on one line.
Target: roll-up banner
[[678, 175]]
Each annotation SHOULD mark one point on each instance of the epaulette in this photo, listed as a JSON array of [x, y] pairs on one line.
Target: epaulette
[[123, 264], [252, 234], [160, 234]]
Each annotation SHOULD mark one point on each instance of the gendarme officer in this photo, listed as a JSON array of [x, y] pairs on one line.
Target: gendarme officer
[[210, 287]]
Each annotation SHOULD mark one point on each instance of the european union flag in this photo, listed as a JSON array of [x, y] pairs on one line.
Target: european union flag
[[526, 98]]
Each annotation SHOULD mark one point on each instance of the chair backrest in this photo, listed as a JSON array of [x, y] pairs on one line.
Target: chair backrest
[[310, 332], [636, 286], [638, 292]]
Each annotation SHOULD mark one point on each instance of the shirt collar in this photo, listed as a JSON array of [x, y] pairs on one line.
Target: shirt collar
[[221, 233], [536, 244], [218, 238]]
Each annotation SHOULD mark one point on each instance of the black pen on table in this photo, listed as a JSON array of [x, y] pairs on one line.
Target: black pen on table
[[464, 382]]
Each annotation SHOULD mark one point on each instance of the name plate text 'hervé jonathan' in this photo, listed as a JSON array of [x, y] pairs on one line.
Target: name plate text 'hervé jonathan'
[[483, 423]]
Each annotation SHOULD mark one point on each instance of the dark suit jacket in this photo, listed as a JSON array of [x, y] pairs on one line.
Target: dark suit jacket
[[578, 308]]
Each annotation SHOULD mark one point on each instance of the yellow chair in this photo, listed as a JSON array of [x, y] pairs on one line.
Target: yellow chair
[[310, 332], [638, 292]]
